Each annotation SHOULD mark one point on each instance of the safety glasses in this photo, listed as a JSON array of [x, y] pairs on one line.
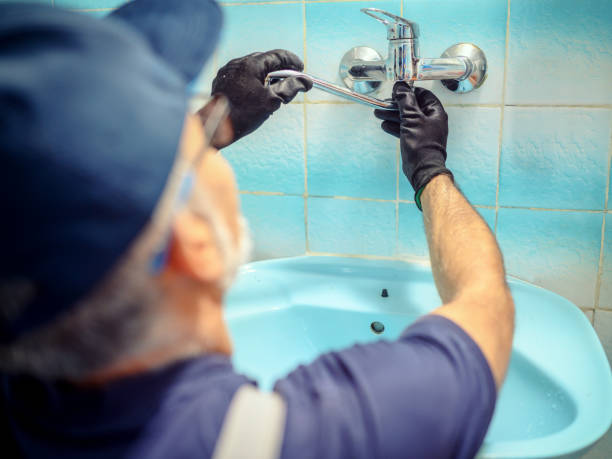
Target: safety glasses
[[215, 118]]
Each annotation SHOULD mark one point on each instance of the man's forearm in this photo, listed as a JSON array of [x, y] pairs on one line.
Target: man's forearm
[[464, 253], [469, 272]]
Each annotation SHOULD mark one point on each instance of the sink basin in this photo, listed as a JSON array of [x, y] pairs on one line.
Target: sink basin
[[557, 398]]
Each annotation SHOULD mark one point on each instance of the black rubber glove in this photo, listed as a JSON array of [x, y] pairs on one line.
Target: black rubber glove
[[422, 127], [242, 82]]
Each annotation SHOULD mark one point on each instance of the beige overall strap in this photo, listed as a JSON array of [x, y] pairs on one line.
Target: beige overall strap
[[253, 427]]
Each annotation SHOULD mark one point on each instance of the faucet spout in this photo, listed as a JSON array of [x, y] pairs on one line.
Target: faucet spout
[[334, 89], [450, 68]]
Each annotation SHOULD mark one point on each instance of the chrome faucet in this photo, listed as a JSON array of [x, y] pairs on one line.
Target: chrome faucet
[[462, 67]]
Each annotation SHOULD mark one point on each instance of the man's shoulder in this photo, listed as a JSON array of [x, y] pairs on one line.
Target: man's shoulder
[[189, 417]]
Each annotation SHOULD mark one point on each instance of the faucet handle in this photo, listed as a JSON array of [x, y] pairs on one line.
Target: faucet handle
[[397, 28]]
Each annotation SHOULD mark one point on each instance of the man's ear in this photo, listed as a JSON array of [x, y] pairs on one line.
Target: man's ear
[[193, 249]]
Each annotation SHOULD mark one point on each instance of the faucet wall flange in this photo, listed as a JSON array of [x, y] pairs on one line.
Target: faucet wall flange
[[477, 71], [366, 78]]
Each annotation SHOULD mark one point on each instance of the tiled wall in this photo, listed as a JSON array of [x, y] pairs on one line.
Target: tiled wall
[[531, 148]]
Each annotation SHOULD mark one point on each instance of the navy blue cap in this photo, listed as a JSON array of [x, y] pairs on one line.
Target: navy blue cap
[[183, 32], [90, 124]]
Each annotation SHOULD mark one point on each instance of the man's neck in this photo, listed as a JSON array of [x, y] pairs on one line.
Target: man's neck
[[201, 328]]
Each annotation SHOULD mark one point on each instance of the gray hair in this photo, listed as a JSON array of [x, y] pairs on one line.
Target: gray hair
[[122, 317]]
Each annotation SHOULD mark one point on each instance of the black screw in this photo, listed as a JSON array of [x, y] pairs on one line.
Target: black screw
[[384, 293], [377, 327]]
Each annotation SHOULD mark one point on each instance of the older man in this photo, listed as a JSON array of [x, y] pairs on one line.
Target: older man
[[121, 231]]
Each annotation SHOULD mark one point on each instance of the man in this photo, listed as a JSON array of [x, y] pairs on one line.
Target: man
[[121, 231]]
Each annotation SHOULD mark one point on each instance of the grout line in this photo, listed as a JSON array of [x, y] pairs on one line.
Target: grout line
[[545, 209], [501, 117], [287, 2], [294, 2], [607, 196], [268, 193], [397, 177], [351, 198], [306, 242], [343, 1], [305, 136], [559, 105], [398, 164], [397, 172], [406, 201], [600, 263], [467, 105], [603, 231], [346, 102]]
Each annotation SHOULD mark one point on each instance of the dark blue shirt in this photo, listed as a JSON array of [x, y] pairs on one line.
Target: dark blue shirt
[[428, 394]]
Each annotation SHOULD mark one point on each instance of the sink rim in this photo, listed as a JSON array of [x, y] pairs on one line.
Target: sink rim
[[589, 424]]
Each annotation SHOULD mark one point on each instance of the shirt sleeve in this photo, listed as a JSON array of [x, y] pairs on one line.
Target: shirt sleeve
[[428, 394]]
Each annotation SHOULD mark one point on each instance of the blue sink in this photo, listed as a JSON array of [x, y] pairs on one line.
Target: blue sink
[[557, 398]]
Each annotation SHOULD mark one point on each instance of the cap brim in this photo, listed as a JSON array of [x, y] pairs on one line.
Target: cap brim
[[184, 33]]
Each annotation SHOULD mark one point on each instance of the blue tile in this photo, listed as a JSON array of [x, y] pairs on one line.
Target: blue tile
[[89, 4], [560, 52], [411, 239], [603, 326], [251, 28], [603, 448], [272, 157], [488, 216], [334, 28], [277, 225], [473, 146], [605, 293], [348, 153], [256, 28], [556, 250], [554, 158], [446, 22], [201, 84], [351, 227]]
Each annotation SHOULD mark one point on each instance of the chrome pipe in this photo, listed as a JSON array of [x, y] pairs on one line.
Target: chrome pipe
[[334, 89], [450, 68]]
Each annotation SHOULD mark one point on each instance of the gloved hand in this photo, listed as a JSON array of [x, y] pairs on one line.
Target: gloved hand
[[242, 82], [422, 127]]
